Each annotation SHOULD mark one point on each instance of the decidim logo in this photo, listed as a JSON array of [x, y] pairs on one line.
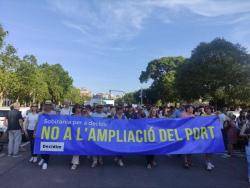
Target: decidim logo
[[52, 146]]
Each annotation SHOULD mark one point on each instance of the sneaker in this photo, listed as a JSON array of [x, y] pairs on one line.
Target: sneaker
[[120, 163], [45, 166], [149, 166], [101, 161], [74, 167], [210, 164], [225, 156], [34, 159], [41, 162], [186, 165], [94, 164], [209, 167], [154, 163], [31, 159]]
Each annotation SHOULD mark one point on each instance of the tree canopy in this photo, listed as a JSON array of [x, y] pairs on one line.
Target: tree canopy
[[218, 70], [26, 80], [162, 72]]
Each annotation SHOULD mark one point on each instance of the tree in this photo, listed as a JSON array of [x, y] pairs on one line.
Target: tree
[[215, 71], [2, 35], [162, 71], [58, 80], [74, 95]]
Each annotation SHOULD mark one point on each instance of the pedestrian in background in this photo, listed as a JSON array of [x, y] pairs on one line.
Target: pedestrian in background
[[66, 110], [30, 125], [231, 135], [245, 132], [14, 123]]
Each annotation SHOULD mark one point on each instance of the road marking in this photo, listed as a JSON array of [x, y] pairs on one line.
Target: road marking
[[24, 144], [2, 154]]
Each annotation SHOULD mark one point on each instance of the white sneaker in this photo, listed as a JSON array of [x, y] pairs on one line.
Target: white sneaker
[[41, 162], [74, 167], [34, 159], [210, 164], [149, 166], [226, 156], [31, 159], [45, 166], [94, 164], [120, 163], [209, 167]]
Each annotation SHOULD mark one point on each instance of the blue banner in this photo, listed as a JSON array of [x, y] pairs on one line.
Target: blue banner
[[72, 135]]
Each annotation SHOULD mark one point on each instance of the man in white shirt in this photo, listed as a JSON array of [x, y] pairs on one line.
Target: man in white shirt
[[66, 110]]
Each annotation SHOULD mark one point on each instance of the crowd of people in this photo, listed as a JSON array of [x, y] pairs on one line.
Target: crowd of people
[[235, 128]]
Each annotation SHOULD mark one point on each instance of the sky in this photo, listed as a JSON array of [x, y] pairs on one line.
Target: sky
[[105, 44]]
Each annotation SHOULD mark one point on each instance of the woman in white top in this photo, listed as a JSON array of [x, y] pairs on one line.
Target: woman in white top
[[31, 122]]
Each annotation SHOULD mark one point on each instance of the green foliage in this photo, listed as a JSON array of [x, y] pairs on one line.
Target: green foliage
[[163, 72], [58, 81], [128, 98], [2, 36], [218, 70], [26, 81], [74, 95]]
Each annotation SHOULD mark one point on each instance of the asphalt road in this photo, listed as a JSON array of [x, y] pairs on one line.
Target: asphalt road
[[19, 173]]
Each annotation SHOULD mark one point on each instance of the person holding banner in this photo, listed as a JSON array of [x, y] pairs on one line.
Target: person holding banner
[[77, 111], [151, 158], [189, 112], [119, 115], [47, 109], [209, 165], [30, 125], [98, 113]]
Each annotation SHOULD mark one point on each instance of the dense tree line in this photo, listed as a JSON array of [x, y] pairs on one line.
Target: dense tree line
[[218, 72], [26, 80]]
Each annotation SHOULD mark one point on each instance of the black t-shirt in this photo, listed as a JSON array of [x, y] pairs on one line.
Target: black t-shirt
[[13, 118]]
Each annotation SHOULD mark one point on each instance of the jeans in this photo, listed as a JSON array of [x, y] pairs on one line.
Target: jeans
[[31, 139], [248, 158], [15, 138], [45, 157]]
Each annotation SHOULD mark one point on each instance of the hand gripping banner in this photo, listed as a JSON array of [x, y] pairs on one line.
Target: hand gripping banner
[[72, 135]]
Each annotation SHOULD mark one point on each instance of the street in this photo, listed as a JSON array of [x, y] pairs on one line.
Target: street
[[18, 172]]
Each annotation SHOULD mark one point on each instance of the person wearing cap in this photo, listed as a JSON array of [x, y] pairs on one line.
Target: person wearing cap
[[47, 109], [66, 110], [119, 115], [14, 123], [30, 125], [98, 113]]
